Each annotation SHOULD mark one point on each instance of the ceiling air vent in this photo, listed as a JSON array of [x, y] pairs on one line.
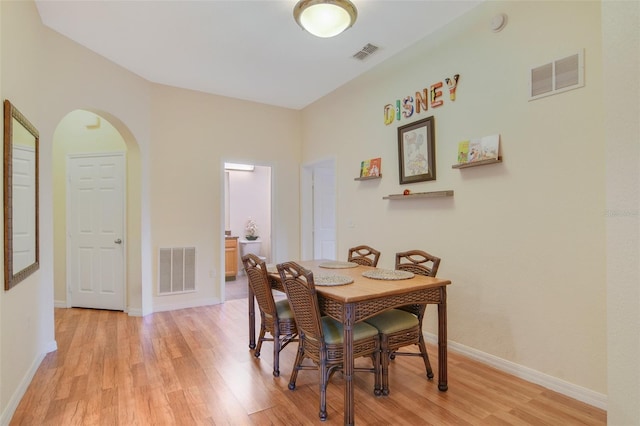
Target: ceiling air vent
[[557, 76], [365, 52]]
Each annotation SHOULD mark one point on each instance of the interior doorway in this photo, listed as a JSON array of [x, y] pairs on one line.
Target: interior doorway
[[318, 210], [248, 197], [92, 151]]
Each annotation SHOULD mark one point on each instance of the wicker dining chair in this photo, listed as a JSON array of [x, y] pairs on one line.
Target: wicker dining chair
[[275, 317], [364, 255], [403, 326], [321, 337]]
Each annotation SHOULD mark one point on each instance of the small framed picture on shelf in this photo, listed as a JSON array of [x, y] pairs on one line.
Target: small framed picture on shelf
[[371, 168], [417, 151]]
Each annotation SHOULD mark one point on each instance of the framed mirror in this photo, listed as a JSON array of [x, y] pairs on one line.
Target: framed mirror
[[21, 242]]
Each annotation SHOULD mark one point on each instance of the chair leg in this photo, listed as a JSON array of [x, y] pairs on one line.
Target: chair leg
[[276, 350], [425, 357], [324, 379], [377, 368], [263, 331], [296, 365], [385, 356]]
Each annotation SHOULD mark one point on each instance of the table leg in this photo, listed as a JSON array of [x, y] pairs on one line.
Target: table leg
[[349, 320], [252, 317], [442, 342]]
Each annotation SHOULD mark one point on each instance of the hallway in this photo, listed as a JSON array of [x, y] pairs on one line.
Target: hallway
[[236, 289]]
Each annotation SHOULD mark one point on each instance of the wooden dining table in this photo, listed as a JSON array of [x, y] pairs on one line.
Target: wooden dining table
[[362, 299]]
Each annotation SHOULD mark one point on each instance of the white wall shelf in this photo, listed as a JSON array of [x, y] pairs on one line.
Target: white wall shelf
[[432, 194], [368, 177], [476, 163]]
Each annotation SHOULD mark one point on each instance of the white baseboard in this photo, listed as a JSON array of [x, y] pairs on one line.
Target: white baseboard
[[184, 305], [52, 346], [157, 308], [135, 312], [553, 383], [15, 399]]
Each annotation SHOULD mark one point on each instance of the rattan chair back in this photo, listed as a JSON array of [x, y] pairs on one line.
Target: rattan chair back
[[276, 318], [301, 292], [258, 279], [364, 255], [420, 263]]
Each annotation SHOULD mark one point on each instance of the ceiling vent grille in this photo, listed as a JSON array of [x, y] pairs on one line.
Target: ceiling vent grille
[[368, 50], [556, 77], [177, 270]]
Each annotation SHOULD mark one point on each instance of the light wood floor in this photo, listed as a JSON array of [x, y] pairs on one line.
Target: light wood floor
[[193, 367]]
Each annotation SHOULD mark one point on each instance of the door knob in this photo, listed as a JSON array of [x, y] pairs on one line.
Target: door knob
[[118, 241]]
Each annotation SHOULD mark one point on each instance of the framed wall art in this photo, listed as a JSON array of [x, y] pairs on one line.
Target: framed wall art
[[417, 151]]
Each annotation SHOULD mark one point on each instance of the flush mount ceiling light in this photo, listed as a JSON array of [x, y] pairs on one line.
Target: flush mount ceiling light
[[325, 18]]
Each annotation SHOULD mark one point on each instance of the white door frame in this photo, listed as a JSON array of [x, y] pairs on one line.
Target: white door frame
[[224, 212], [306, 206], [122, 154]]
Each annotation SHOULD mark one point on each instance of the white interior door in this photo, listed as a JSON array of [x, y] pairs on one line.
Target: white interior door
[[324, 212], [95, 228]]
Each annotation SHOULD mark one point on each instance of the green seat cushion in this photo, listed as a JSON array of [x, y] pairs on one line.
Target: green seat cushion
[[393, 320], [332, 330], [284, 310]]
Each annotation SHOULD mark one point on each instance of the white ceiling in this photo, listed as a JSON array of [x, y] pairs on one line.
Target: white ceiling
[[251, 50]]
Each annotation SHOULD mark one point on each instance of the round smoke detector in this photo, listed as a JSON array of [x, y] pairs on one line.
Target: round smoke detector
[[498, 22]]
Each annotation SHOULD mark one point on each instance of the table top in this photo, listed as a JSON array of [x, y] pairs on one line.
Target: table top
[[364, 288]]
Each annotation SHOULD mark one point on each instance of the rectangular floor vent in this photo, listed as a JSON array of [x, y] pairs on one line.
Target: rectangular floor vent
[[557, 76], [177, 270]]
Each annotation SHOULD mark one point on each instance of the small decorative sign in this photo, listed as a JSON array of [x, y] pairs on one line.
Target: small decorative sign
[[428, 97]]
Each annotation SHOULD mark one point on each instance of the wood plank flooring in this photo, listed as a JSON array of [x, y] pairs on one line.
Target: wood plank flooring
[[193, 367]]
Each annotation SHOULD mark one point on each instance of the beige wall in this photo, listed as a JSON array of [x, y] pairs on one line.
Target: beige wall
[[193, 134], [523, 241], [26, 311], [621, 51]]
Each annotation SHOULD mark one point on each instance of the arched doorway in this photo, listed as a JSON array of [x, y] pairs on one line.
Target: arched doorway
[[83, 136]]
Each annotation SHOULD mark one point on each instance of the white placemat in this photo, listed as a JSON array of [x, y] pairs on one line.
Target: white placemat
[[387, 274], [271, 269], [338, 265], [329, 280]]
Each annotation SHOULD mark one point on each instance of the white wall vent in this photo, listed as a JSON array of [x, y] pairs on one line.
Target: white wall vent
[[177, 270], [557, 76]]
